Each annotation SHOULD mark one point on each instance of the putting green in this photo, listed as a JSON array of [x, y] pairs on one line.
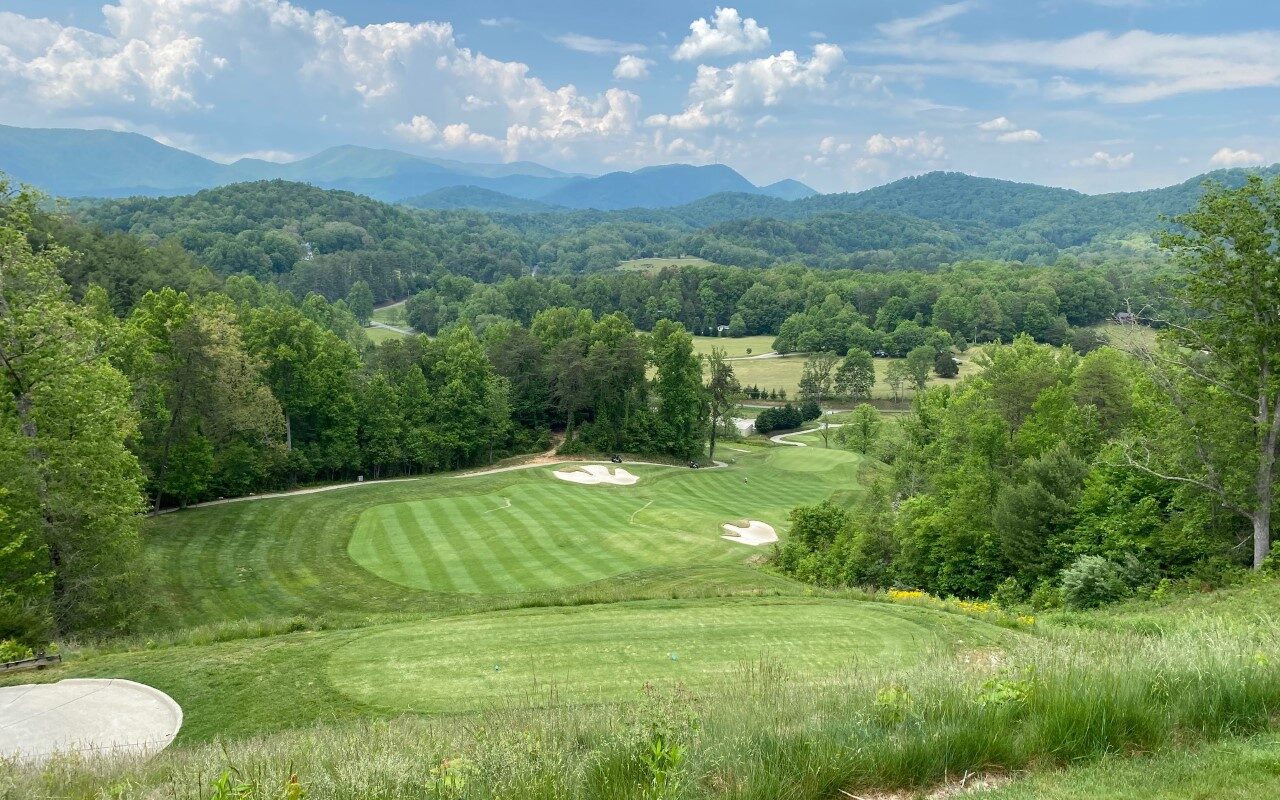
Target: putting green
[[608, 652], [538, 532]]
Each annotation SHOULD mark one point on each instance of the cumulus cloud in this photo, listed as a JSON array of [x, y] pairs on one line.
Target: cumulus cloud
[[1226, 157], [458, 135], [727, 33], [718, 95], [1024, 136], [919, 147], [597, 46], [632, 68], [1104, 160], [272, 67], [997, 124]]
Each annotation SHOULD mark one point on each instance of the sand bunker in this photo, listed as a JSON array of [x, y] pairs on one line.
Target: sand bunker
[[597, 473], [754, 533], [109, 716]]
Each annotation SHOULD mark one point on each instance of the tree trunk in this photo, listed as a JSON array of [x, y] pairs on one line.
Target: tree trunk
[[711, 451], [1264, 491]]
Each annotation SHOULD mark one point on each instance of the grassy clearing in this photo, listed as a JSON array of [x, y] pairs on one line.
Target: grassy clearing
[[656, 264], [390, 314], [784, 373], [1126, 337], [380, 335], [734, 348]]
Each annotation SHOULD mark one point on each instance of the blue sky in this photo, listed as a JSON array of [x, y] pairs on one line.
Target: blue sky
[[1098, 95]]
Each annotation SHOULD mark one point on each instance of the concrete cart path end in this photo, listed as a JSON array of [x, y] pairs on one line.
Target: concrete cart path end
[[86, 715]]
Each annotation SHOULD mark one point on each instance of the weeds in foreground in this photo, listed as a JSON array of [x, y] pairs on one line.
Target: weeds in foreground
[[1047, 701]]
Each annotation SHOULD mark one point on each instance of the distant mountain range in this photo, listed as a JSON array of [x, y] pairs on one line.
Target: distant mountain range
[[98, 163]]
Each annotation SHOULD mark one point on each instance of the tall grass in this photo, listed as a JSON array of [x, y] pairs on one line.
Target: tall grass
[[1054, 701]]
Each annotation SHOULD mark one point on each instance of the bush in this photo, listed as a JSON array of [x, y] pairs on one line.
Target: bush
[[1092, 581], [809, 410], [1008, 594], [778, 419], [11, 650], [1045, 596]]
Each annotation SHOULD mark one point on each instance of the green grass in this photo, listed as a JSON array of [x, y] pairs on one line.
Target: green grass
[[1126, 337], [390, 314], [784, 373], [734, 348], [607, 652], [802, 728], [287, 557], [1233, 770], [656, 264], [380, 335], [540, 533]]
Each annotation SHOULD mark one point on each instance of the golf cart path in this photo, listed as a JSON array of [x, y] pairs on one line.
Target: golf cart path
[[291, 493], [373, 323], [782, 437], [758, 356], [544, 460]]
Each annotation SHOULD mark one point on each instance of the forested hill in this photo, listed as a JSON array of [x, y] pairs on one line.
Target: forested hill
[[311, 239]]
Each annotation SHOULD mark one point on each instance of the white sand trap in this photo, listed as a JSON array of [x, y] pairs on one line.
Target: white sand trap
[[754, 533], [597, 473], [90, 716]]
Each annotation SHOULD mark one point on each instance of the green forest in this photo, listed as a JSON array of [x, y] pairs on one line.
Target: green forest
[[156, 354]]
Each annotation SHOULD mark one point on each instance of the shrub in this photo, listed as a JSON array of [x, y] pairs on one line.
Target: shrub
[[1092, 581], [809, 410], [11, 650], [1045, 596], [1008, 594]]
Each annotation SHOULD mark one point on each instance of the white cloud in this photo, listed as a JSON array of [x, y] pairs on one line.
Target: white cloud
[[1226, 157], [919, 147], [909, 26], [497, 22], [727, 33], [597, 46], [632, 68], [1131, 67], [719, 94], [1104, 160], [997, 124], [1024, 136], [266, 66]]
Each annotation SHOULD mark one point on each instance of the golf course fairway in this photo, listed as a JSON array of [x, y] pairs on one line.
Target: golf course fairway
[[537, 532]]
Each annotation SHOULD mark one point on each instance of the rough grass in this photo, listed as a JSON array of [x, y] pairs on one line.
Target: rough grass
[[765, 732]]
